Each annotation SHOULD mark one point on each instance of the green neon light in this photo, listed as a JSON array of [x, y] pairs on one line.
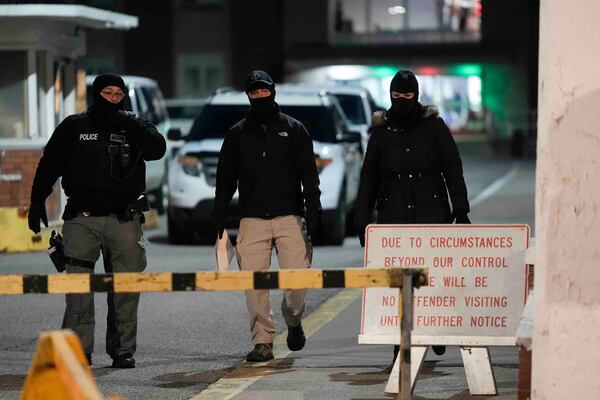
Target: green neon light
[[383, 71], [466, 69]]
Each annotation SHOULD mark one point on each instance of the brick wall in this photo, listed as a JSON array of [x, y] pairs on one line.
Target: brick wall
[[15, 191]]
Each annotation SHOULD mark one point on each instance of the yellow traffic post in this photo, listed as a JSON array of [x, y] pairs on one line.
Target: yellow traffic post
[[59, 370]]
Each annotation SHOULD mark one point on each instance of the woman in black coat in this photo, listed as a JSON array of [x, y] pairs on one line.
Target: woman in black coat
[[411, 165]]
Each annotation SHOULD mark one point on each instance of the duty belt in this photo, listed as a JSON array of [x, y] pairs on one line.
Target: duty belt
[[79, 262]]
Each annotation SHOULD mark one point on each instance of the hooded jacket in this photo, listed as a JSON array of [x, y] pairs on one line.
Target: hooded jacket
[[272, 166], [409, 170]]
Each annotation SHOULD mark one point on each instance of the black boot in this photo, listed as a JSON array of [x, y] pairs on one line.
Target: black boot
[[123, 362], [295, 338]]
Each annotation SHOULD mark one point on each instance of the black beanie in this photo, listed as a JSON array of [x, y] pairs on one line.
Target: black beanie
[[404, 82], [105, 80]]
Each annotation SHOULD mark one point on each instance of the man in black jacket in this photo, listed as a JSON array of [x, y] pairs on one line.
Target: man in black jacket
[[100, 156], [268, 156], [411, 164]]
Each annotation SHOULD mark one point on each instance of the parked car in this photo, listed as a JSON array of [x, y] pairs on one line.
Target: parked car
[[183, 111], [356, 101], [146, 100], [358, 105], [192, 174]]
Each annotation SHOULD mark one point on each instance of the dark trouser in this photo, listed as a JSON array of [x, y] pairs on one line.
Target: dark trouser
[[124, 250]]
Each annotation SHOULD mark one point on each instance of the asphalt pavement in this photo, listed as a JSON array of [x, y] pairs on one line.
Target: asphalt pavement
[[334, 366], [191, 344]]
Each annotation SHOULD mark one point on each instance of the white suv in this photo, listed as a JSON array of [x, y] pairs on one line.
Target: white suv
[[192, 173], [356, 102], [146, 100], [358, 105]]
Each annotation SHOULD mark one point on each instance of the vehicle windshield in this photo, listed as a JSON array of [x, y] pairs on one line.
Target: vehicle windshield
[[184, 112], [353, 108], [215, 120]]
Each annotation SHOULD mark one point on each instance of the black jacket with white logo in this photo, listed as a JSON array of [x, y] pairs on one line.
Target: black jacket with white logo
[[94, 180], [273, 166]]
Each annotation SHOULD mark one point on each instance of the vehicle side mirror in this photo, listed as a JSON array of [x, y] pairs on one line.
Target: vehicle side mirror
[[174, 134]]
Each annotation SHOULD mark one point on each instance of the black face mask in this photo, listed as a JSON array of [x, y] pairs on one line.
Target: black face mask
[[404, 108], [263, 108], [103, 107]]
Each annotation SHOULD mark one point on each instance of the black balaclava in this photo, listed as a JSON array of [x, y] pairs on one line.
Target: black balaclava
[[404, 82], [102, 107], [261, 109]]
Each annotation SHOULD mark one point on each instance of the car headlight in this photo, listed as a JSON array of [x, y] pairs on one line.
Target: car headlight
[[190, 165], [322, 163]]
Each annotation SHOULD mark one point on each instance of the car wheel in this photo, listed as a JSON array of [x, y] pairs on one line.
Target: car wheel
[[350, 226], [334, 224], [207, 238], [176, 234], [158, 199]]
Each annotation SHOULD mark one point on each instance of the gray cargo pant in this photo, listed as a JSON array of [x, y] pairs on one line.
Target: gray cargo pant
[[255, 241], [124, 250]]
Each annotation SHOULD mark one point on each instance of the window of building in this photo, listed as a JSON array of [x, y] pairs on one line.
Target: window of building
[[199, 74], [360, 17], [13, 108]]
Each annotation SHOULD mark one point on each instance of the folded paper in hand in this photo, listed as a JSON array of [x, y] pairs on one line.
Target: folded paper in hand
[[224, 252]]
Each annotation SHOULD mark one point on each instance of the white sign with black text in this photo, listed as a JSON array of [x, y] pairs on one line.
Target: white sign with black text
[[477, 284]]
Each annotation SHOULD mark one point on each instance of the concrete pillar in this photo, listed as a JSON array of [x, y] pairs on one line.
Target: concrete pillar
[[69, 88], [32, 95], [566, 341]]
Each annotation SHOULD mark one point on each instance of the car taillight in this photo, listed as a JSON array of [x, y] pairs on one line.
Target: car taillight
[[322, 163], [191, 165]]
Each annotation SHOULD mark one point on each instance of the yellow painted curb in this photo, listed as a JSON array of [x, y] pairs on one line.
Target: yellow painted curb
[[15, 235], [151, 220], [246, 374]]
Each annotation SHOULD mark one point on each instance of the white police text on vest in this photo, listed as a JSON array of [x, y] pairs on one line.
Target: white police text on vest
[[88, 136]]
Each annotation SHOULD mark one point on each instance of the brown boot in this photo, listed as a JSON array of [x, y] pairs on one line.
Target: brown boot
[[262, 352]]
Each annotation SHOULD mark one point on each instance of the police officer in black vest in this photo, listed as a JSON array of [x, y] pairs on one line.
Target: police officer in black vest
[[100, 156], [411, 165]]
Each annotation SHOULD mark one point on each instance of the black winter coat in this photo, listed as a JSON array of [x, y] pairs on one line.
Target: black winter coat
[[407, 173], [274, 167], [92, 179]]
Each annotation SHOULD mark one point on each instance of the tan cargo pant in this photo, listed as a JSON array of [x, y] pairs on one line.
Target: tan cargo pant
[[255, 241]]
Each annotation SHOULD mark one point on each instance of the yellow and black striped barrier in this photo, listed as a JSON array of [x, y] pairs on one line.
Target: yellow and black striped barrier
[[207, 281]]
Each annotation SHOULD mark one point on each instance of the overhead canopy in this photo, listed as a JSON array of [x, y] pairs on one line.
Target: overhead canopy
[[84, 16]]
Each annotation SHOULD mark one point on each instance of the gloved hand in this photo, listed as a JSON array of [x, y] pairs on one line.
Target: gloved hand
[[219, 225], [37, 212], [124, 120], [313, 227], [361, 237], [360, 230], [460, 217]]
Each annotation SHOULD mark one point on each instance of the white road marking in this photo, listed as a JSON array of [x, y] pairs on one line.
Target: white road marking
[[492, 188]]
